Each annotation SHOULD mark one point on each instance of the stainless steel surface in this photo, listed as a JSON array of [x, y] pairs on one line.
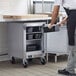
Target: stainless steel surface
[[18, 42]]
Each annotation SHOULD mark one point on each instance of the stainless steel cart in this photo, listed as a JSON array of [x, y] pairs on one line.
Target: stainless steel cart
[[26, 41]]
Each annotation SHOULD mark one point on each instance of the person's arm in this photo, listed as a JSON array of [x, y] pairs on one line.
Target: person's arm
[[54, 15], [63, 21]]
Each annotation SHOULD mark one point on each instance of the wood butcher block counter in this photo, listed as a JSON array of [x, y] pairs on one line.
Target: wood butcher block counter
[[24, 18]]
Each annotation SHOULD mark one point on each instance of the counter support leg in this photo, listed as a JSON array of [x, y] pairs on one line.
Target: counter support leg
[[55, 58]]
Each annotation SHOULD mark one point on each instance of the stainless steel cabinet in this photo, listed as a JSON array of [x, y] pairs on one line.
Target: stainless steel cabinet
[[26, 41], [57, 42]]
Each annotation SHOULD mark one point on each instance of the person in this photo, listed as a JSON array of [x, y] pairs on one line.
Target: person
[[70, 8]]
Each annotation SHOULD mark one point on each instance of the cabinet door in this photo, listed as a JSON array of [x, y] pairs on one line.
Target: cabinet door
[[57, 41]]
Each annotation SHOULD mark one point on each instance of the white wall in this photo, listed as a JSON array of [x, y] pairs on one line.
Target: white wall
[[13, 7], [4, 6], [18, 7]]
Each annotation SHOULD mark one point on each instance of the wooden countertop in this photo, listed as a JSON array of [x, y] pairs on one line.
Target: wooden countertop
[[24, 16]]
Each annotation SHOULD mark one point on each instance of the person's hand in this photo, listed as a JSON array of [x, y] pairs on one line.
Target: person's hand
[[50, 26], [60, 24]]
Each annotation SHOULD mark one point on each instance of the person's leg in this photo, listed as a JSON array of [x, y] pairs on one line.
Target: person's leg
[[70, 64], [70, 69], [71, 25], [74, 58], [71, 41]]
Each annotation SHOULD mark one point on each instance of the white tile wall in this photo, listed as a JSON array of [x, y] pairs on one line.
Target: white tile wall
[[4, 6], [18, 7], [13, 7]]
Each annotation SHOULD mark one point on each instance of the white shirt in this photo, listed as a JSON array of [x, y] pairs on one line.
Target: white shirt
[[71, 4]]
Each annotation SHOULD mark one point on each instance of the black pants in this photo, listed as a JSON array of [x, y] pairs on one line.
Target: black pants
[[71, 25]]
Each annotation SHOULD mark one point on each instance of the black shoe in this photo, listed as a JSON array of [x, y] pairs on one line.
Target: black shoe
[[64, 72]]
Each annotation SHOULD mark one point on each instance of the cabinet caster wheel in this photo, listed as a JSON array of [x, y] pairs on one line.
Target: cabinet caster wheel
[[25, 64], [43, 61], [13, 60]]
